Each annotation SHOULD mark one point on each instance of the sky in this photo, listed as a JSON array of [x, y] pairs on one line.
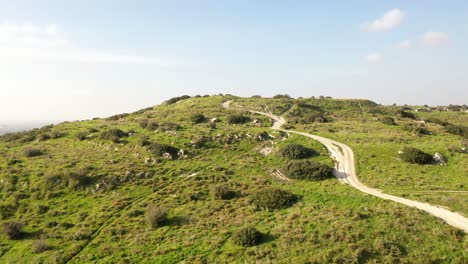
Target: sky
[[73, 60]]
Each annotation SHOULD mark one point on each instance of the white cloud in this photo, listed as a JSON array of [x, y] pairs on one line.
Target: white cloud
[[406, 44], [388, 21], [374, 58], [435, 39], [45, 42]]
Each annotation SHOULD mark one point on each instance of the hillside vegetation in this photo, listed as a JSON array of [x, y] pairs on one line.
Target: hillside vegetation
[[189, 181]]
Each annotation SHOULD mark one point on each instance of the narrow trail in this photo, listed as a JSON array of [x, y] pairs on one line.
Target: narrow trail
[[345, 173]]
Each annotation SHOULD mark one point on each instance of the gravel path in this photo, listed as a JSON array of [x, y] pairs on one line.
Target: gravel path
[[345, 173]]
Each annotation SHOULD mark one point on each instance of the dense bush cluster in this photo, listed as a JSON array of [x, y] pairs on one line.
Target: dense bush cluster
[[12, 229], [307, 169], [457, 130], [155, 216], [238, 119], [416, 130], [404, 114], [247, 237], [82, 135], [113, 134], [414, 155], [177, 99], [273, 198], [32, 152], [436, 121], [295, 151], [387, 120], [197, 118], [159, 149]]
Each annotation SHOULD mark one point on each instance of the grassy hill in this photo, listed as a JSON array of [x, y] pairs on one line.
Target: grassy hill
[[179, 182]]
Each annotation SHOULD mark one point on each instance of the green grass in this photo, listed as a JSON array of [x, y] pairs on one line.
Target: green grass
[[331, 222]]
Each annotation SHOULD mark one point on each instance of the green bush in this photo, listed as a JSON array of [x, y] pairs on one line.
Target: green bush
[[238, 119], [414, 155], [272, 198], [143, 123], [158, 149], [39, 246], [32, 152], [437, 121], [168, 126], [82, 135], [306, 169], [197, 118], [152, 126], [143, 141], [113, 134], [43, 137], [177, 99], [12, 229], [247, 237], [295, 151], [404, 114], [221, 192], [79, 179], [387, 120], [457, 130], [155, 216]]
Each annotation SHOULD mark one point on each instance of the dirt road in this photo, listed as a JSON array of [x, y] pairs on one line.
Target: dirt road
[[345, 173]]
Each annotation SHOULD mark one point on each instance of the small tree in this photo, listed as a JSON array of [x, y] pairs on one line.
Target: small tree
[[247, 237], [414, 155], [155, 216], [12, 229]]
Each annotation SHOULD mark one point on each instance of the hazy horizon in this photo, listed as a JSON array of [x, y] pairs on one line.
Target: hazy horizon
[[64, 60]]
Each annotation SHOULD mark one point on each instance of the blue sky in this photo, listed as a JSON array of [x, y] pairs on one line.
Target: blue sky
[[80, 59]]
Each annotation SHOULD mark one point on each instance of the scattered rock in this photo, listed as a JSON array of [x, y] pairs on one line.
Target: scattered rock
[[439, 158]]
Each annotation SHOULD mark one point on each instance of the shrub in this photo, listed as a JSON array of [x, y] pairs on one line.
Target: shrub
[[404, 114], [12, 229], [117, 117], [247, 237], [417, 130], [273, 198], [158, 149], [388, 121], [78, 179], [221, 192], [295, 151], [282, 96], [177, 99], [197, 118], [143, 123], [457, 130], [436, 121], [143, 140], [40, 246], [32, 152], [113, 134], [82, 135], [152, 126], [155, 216], [238, 119], [44, 137], [168, 126], [306, 169], [414, 155]]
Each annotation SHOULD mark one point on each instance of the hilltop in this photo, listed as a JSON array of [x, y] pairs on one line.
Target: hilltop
[[191, 181]]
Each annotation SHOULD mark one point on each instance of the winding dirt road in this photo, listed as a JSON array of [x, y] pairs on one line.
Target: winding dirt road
[[345, 173]]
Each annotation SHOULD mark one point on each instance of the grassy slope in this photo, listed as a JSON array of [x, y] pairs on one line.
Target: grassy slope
[[331, 223]]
